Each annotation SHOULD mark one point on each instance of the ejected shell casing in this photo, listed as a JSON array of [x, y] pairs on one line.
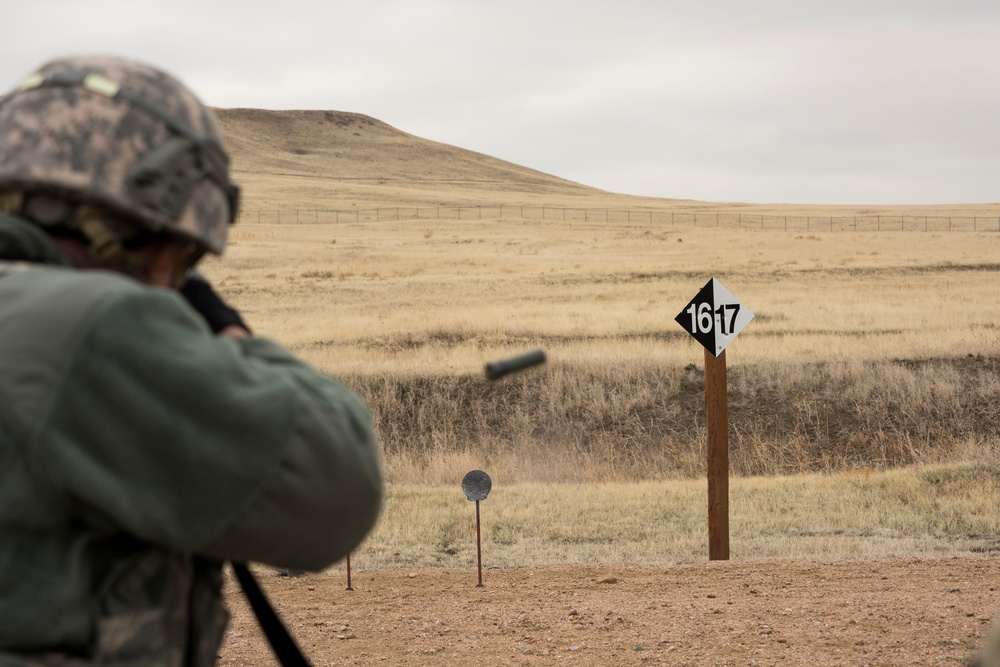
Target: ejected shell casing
[[497, 369]]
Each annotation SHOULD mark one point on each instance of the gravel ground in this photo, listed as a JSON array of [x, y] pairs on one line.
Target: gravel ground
[[891, 612]]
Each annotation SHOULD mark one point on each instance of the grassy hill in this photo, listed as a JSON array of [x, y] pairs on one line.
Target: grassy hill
[[338, 159]]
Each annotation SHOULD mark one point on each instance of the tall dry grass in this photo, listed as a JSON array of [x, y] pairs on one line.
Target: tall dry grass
[[859, 356], [620, 422]]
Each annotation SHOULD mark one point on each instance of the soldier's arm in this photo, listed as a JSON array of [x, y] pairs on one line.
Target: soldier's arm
[[232, 448]]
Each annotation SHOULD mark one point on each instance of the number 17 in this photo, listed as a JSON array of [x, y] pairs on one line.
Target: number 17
[[721, 313]]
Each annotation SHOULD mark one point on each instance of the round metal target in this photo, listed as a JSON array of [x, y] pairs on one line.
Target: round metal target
[[476, 485]]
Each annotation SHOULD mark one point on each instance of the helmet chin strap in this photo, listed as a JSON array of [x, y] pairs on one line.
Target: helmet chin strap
[[105, 247]]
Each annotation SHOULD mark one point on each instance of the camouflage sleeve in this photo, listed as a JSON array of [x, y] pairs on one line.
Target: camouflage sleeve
[[233, 449], [337, 491]]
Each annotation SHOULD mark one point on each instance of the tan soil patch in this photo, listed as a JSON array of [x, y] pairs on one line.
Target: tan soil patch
[[892, 612]]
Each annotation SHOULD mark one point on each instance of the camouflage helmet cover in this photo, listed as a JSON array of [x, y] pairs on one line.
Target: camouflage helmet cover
[[123, 135]]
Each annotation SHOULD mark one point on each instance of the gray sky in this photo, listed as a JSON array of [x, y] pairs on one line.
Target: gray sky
[[795, 101]]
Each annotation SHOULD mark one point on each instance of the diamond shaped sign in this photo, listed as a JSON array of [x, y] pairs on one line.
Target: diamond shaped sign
[[714, 317]]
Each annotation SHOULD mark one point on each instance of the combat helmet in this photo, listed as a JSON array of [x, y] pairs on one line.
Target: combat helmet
[[106, 134]]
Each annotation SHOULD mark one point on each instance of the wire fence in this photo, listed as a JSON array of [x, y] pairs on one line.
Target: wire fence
[[833, 223]]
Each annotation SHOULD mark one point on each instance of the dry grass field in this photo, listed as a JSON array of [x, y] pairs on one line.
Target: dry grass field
[[869, 350], [863, 397]]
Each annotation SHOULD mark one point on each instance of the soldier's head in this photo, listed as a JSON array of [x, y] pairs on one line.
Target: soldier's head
[[116, 157]]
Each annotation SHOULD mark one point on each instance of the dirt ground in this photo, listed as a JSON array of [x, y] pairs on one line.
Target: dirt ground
[[892, 612]]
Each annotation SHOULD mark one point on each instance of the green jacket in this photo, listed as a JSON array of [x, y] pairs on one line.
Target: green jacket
[[138, 450]]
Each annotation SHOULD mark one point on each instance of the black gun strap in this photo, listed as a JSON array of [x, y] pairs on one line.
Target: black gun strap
[[282, 643]]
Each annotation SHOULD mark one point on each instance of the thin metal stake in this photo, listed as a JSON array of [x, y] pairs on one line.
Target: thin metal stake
[[349, 587], [479, 549]]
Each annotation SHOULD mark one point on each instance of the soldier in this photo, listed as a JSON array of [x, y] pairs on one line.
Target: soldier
[[145, 435], [989, 655]]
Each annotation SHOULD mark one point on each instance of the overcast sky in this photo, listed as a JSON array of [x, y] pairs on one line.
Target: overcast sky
[[795, 101]]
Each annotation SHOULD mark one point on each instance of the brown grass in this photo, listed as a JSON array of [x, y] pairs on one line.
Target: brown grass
[[934, 511], [859, 355], [869, 350], [862, 398]]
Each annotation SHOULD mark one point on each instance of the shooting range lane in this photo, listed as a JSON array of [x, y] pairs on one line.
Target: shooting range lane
[[893, 612]]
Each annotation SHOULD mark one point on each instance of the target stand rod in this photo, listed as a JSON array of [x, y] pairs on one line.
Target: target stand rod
[[479, 549]]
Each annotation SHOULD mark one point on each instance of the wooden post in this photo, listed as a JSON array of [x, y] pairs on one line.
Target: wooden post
[[717, 424]]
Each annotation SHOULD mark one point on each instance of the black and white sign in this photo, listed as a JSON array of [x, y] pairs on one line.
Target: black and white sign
[[714, 317]]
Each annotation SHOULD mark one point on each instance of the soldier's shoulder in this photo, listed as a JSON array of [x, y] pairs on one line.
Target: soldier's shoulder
[[58, 296], [30, 279]]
